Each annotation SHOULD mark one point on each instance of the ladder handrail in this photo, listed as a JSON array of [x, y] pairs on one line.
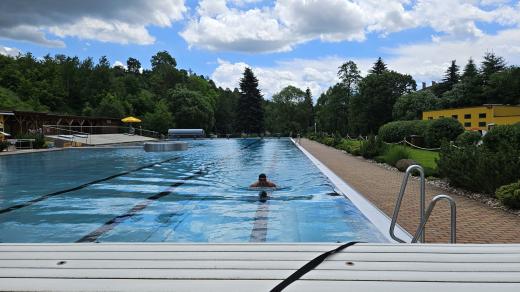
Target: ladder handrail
[[453, 219], [422, 201]]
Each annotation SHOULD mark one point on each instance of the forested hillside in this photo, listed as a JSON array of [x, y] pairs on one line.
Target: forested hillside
[[163, 96]]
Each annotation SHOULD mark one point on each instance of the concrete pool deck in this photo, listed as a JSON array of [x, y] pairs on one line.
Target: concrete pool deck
[[476, 222]]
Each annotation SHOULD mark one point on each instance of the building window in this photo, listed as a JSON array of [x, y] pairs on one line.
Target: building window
[[430, 118], [481, 124], [467, 124], [455, 116], [467, 116], [482, 115]]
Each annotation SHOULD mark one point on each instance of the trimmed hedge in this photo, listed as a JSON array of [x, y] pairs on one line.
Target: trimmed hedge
[[468, 138], [442, 129], [503, 135], [395, 131]]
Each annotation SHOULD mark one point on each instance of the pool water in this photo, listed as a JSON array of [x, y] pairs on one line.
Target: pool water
[[199, 195]]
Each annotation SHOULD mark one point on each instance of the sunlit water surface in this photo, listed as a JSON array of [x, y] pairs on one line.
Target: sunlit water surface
[[200, 197]]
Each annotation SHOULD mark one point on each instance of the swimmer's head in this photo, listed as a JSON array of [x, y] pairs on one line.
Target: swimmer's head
[[262, 177]]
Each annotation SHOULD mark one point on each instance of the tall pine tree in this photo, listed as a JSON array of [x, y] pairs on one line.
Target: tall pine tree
[[379, 67], [308, 108], [250, 114], [452, 76], [490, 65], [470, 70]]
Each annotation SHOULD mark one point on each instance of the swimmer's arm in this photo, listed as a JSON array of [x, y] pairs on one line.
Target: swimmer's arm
[[254, 185], [272, 185]]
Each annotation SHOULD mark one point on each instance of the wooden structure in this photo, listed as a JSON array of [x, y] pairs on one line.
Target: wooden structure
[[258, 267], [21, 122]]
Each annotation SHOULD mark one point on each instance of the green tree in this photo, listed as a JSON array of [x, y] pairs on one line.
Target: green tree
[[250, 113], [160, 119], [288, 111], [308, 109], [191, 109], [133, 65], [379, 67], [452, 76], [410, 106], [225, 114], [470, 70], [491, 65], [377, 96], [504, 87], [110, 106], [332, 110]]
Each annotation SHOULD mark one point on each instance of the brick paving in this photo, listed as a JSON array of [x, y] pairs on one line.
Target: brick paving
[[476, 222]]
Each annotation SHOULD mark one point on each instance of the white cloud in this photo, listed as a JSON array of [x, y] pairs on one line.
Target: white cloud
[[6, 51], [116, 21], [222, 25], [118, 63], [425, 62]]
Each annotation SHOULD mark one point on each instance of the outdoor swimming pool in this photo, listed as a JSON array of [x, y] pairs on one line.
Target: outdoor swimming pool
[[199, 195]]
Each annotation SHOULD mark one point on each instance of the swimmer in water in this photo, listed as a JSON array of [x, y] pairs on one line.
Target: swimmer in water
[[263, 183]]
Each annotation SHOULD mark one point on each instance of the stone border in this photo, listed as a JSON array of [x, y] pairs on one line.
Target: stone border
[[377, 217]]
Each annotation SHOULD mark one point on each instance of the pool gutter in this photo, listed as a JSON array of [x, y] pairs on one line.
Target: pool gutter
[[369, 210]]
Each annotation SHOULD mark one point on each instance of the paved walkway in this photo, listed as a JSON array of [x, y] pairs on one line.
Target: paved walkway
[[476, 222]]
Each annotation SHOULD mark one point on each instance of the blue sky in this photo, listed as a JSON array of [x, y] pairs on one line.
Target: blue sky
[[286, 42]]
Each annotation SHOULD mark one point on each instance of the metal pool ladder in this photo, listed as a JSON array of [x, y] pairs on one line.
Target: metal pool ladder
[[424, 214]]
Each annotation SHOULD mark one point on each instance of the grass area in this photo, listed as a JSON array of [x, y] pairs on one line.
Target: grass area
[[423, 157]]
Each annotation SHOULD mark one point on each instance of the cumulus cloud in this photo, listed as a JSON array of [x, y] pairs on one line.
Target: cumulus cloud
[[116, 21], [6, 51], [223, 25], [425, 62]]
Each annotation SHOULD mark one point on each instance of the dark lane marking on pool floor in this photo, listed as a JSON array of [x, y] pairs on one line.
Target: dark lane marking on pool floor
[[50, 195], [112, 223], [259, 231]]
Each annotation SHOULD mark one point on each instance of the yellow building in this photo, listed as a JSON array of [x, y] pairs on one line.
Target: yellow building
[[479, 117]]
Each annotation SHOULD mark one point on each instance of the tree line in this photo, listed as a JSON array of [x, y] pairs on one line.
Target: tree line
[[165, 96], [360, 105]]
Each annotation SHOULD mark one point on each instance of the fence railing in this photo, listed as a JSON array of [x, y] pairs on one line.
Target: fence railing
[[83, 134]]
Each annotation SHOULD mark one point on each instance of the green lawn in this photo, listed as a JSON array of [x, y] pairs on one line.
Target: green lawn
[[425, 158]]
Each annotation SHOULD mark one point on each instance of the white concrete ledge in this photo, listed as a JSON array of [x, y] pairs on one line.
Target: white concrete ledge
[[371, 212]]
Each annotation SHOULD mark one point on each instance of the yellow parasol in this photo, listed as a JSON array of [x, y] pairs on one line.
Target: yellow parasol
[[130, 120]]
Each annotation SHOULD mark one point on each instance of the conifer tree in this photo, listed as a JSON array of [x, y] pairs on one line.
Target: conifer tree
[[452, 76], [470, 70], [379, 67], [250, 113], [490, 65], [308, 108]]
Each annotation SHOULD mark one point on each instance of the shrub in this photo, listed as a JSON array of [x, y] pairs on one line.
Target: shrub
[[479, 168], [396, 153], [350, 146], [509, 195], [329, 141], [372, 147], [442, 129], [403, 164], [395, 131], [3, 145], [503, 135], [468, 138]]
